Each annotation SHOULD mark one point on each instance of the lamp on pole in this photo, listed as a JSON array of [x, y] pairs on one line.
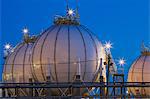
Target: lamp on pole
[[108, 63], [121, 62]]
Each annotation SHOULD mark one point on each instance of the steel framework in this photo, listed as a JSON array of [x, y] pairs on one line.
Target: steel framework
[[37, 88]]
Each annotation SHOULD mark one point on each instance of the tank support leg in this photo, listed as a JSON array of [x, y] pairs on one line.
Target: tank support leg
[[76, 91], [3, 92], [31, 89], [48, 90]]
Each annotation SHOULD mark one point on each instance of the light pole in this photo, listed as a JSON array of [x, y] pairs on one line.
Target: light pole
[[108, 46]]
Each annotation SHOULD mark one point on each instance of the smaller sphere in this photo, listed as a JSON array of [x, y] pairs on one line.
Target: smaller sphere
[[140, 72]]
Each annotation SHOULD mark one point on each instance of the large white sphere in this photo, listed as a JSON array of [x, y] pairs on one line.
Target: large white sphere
[[57, 51]]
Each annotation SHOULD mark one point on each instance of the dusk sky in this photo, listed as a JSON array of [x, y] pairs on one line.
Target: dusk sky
[[123, 22]]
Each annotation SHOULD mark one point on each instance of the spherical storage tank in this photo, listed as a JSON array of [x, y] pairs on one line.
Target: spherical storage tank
[[16, 67], [57, 53], [140, 72]]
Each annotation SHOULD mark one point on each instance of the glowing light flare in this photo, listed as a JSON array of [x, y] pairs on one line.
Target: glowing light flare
[[70, 12], [7, 46], [25, 30], [108, 45], [121, 62]]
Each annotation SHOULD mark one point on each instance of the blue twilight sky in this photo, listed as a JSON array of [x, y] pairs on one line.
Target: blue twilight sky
[[124, 22]]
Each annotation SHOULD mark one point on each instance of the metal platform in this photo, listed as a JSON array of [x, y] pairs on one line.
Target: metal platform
[[73, 86]]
